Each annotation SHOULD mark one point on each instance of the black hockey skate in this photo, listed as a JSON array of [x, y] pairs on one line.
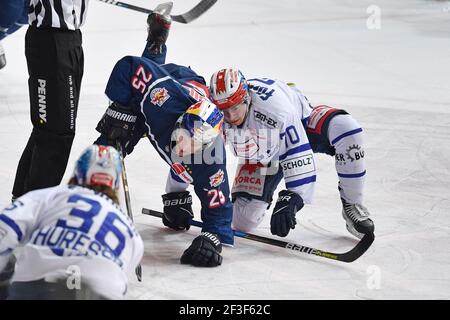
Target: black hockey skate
[[357, 219], [2, 57], [159, 22]]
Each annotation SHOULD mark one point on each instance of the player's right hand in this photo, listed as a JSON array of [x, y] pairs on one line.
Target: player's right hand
[[177, 210], [204, 251], [283, 216], [117, 124]]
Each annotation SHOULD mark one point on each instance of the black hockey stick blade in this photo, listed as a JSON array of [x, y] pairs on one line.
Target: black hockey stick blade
[[195, 12], [348, 256], [186, 17]]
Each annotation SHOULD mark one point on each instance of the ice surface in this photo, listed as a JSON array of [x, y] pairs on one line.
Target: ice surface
[[394, 80]]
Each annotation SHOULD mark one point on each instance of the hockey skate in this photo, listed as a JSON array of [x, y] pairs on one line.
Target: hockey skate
[[2, 57], [357, 219], [159, 22]]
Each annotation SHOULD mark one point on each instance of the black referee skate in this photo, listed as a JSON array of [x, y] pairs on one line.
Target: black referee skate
[[2, 57], [357, 219], [159, 22]]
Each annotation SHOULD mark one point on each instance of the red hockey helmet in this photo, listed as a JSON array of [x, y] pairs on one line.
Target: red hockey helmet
[[228, 88]]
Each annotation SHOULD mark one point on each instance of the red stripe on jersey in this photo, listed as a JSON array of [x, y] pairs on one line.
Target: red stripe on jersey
[[317, 117]]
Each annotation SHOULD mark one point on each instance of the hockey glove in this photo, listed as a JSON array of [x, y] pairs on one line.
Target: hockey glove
[[177, 210], [283, 216], [204, 251], [5, 277], [118, 124]]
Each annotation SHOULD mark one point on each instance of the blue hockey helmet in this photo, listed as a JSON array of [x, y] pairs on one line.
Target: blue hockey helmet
[[99, 166], [197, 128]]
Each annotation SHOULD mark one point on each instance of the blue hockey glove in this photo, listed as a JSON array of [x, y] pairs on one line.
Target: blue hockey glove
[[283, 215], [177, 210]]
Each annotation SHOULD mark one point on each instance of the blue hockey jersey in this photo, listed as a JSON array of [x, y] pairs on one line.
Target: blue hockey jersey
[[159, 94]]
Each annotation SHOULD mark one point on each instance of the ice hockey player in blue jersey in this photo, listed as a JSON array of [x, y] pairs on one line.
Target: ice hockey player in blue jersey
[[76, 242], [167, 103], [274, 129], [13, 15]]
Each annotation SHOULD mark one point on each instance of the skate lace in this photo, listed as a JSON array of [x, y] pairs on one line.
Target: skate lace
[[356, 212]]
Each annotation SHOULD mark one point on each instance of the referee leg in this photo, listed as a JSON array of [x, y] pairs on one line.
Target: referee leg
[[55, 67]]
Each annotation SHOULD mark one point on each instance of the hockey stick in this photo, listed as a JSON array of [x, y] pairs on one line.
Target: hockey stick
[[186, 17], [348, 256], [127, 200]]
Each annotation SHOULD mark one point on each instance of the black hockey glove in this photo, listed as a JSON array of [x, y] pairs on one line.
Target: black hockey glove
[[204, 251], [283, 215], [5, 277], [118, 124], [177, 210], [158, 31]]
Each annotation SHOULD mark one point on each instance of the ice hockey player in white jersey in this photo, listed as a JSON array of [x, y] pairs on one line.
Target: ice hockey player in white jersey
[[77, 243], [273, 128]]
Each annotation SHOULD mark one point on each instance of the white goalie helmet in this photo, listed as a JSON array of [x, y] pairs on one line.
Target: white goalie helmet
[[99, 166], [228, 88]]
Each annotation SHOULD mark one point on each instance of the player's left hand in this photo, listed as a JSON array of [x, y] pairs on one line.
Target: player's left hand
[[283, 216], [177, 212]]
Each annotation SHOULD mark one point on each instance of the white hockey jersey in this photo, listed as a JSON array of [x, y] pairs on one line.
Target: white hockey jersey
[[273, 133], [70, 229]]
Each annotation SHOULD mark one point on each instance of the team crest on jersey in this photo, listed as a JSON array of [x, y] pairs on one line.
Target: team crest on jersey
[[158, 96], [217, 178]]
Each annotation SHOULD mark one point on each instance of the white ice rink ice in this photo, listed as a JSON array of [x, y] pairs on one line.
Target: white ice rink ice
[[386, 62]]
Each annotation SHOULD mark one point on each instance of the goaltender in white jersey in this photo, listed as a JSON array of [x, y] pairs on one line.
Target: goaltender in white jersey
[[274, 129], [73, 235]]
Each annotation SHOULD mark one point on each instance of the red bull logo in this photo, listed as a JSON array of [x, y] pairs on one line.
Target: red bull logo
[[158, 96]]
